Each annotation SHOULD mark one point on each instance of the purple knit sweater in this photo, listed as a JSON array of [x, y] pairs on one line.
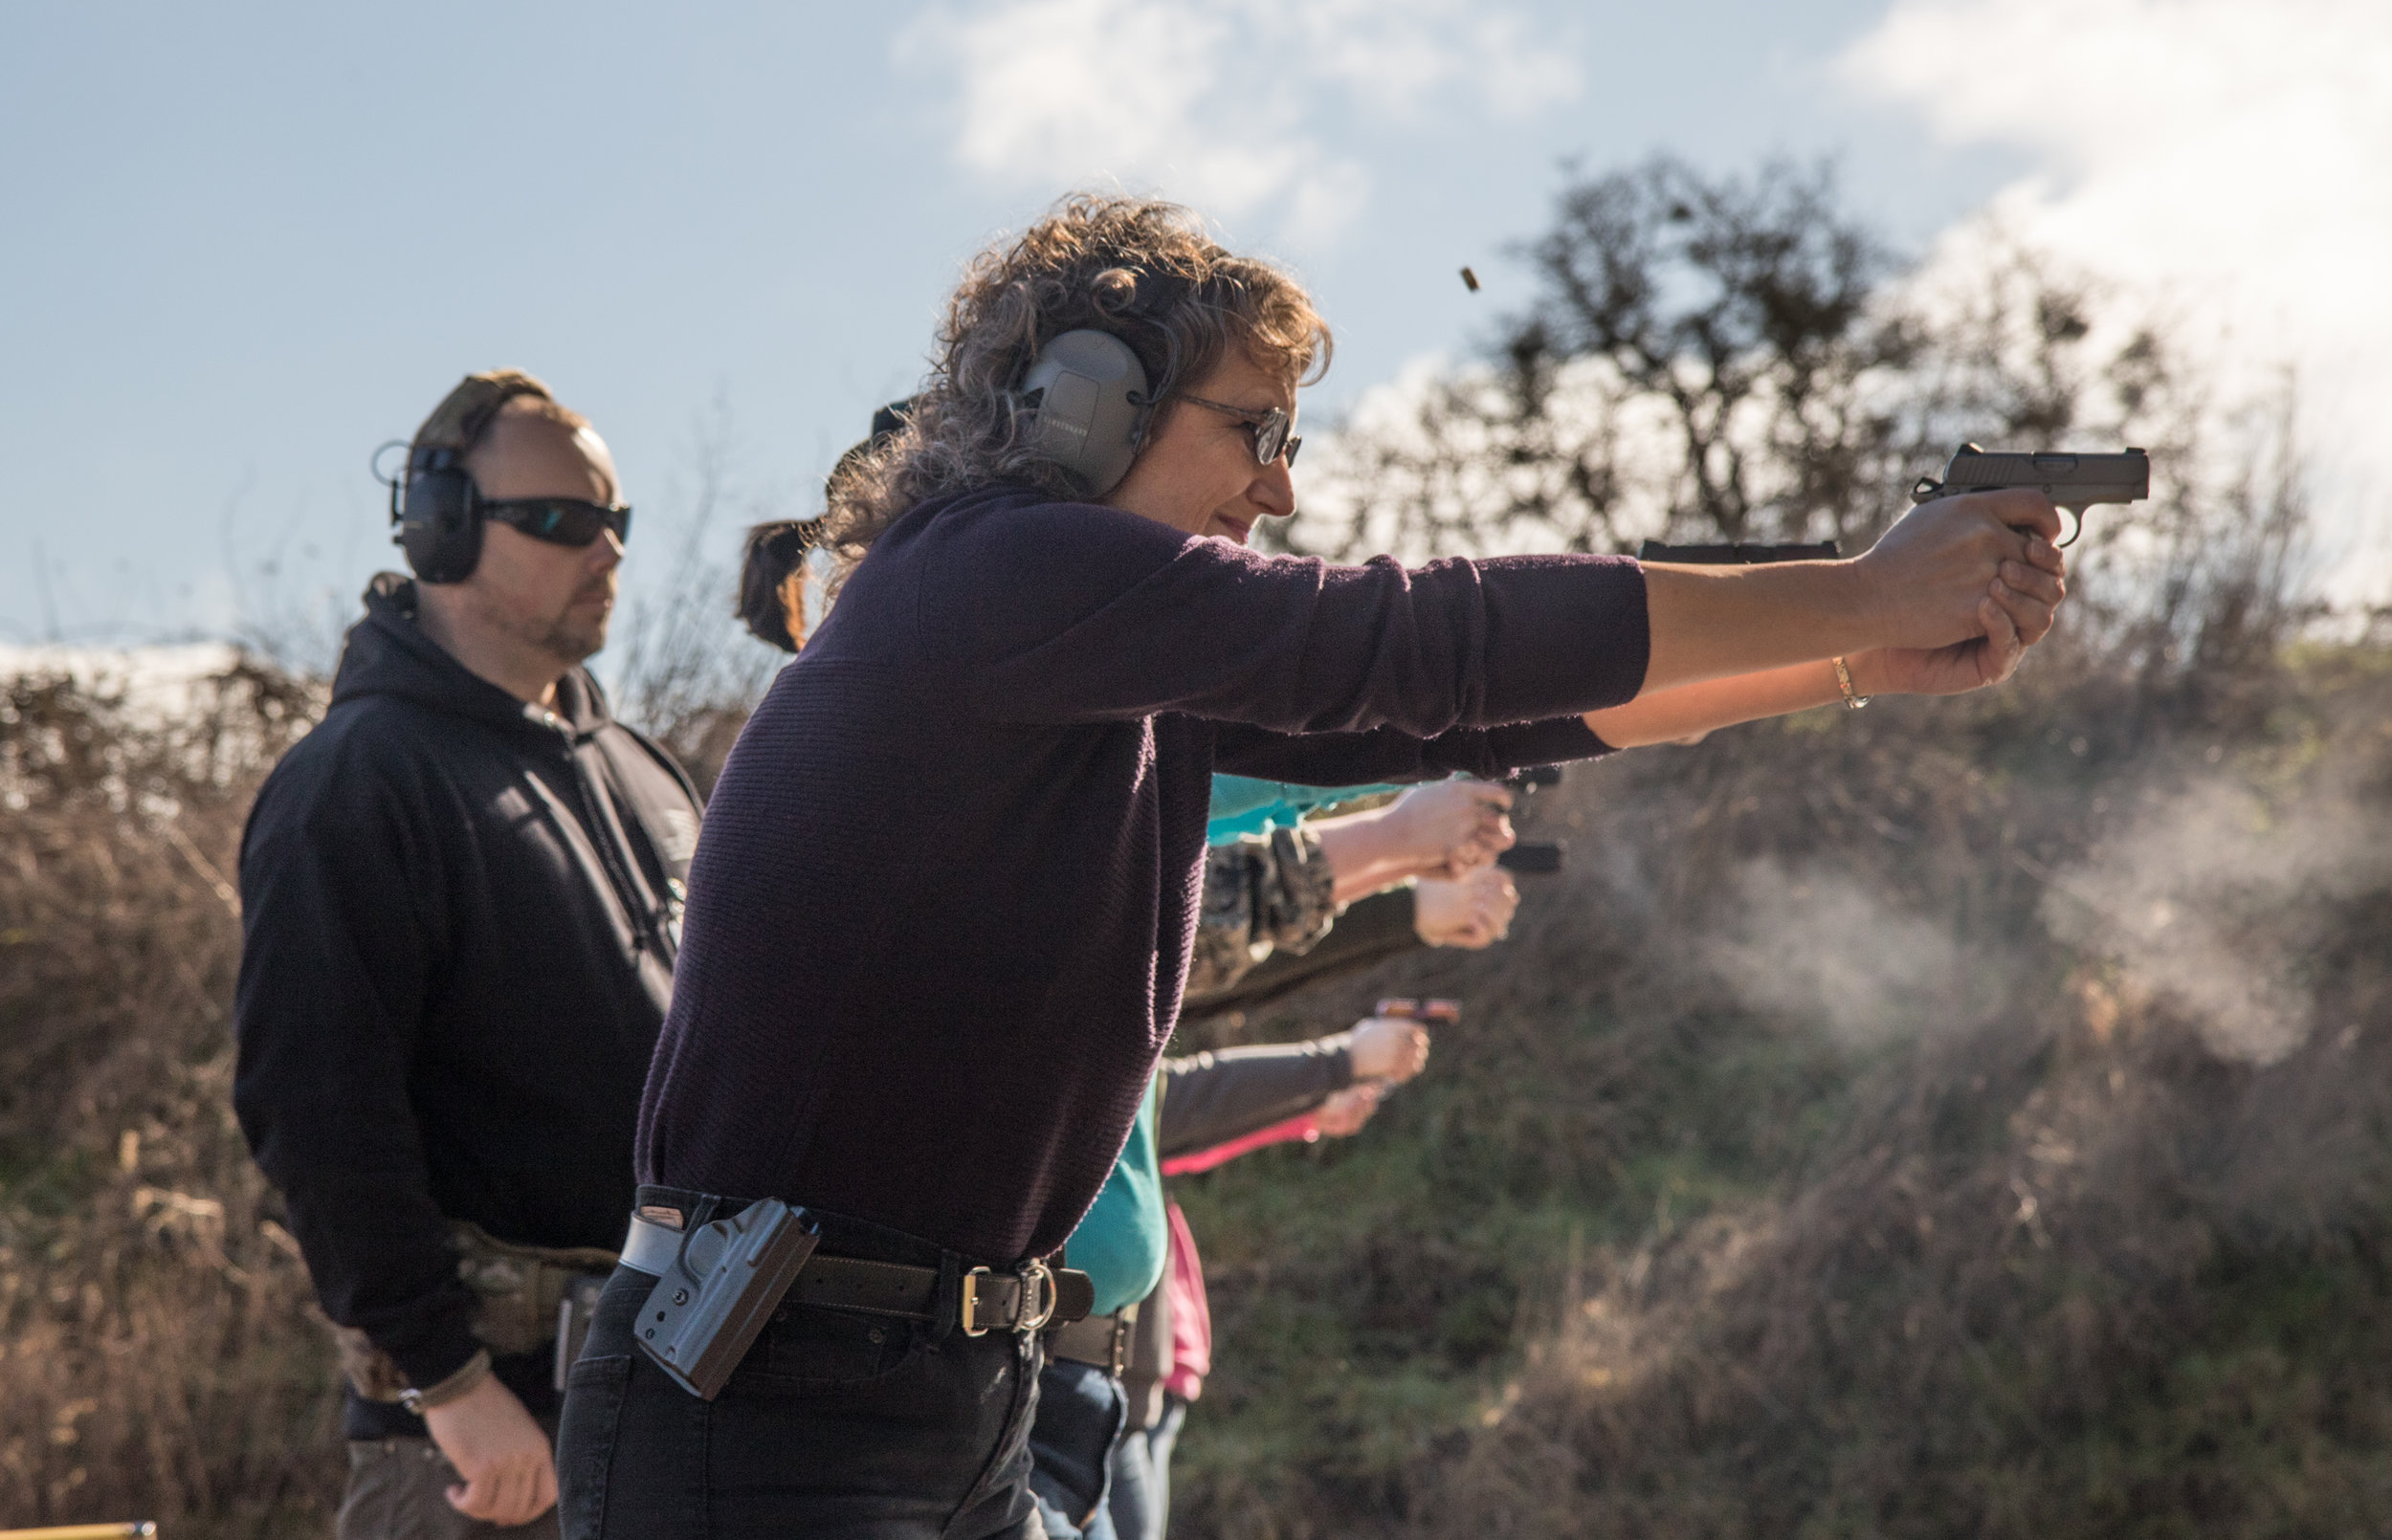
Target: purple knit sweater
[[941, 906]]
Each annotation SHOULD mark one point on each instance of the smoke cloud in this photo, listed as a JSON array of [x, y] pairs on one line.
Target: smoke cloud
[[1813, 942], [2217, 903]]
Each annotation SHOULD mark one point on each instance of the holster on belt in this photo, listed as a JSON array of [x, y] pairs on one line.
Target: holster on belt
[[518, 1293]]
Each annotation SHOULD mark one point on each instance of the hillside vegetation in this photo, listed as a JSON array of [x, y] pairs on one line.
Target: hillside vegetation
[[1921, 1122]]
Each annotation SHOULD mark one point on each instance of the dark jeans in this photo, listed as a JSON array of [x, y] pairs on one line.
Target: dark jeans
[[837, 1424], [1141, 1503], [1080, 1413]]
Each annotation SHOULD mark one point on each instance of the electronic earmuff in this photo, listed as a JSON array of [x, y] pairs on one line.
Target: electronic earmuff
[[437, 515], [1087, 394], [435, 509]]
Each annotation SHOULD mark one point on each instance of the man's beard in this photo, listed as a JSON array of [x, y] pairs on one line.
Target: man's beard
[[576, 637], [570, 636]]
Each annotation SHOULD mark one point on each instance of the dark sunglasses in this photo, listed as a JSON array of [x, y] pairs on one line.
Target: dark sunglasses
[[561, 520], [1271, 438]]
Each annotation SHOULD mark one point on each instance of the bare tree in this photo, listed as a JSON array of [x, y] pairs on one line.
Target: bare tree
[[1737, 359], [1706, 360], [685, 668]]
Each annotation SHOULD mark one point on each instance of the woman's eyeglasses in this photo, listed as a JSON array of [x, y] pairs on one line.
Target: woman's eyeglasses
[[1272, 439], [561, 520]]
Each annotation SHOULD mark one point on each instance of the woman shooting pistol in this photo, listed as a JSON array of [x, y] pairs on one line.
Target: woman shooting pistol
[[940, 910]]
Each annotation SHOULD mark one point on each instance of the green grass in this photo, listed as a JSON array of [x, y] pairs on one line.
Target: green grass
[[1371, 1296]]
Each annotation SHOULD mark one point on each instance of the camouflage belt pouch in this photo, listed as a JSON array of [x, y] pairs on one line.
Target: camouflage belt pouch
[[519, 1289], [518, 1293]]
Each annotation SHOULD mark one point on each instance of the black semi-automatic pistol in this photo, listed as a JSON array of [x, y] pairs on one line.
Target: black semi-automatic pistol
[[2075, 482], [1533, 858]]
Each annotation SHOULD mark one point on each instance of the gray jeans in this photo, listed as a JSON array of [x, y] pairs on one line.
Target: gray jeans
[[399, 1490]]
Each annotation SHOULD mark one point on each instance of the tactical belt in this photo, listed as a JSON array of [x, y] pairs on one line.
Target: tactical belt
[[1101, 1340], [987, 1302], [520, 1299]]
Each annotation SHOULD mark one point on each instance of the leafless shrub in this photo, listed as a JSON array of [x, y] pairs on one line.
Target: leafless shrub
[[2014, 1257], [684, 668], [155, 1333]]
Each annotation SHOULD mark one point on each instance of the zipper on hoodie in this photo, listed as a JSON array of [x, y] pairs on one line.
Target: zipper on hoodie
[[610, 854]]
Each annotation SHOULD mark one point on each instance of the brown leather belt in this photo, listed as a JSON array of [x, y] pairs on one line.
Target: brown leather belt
[[987, 1302], [1101, 1340]]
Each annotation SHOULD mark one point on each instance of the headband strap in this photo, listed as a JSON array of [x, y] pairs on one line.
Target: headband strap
[[460, 420]]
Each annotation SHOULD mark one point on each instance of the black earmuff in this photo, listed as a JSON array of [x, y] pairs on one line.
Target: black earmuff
[[435, 514], [435, 510], [1089, 394]]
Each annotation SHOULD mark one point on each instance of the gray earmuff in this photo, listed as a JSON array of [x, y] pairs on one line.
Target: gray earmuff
[[1088, 392]]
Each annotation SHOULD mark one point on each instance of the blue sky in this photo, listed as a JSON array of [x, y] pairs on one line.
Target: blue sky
[[242, 245]]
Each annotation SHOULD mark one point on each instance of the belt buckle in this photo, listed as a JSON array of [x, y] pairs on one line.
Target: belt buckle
[[1038, 1283], [1040, 1279], [968, 1310]]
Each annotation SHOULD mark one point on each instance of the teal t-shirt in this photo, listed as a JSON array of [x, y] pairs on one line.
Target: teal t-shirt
[[1120, 1244], [1242, 805]]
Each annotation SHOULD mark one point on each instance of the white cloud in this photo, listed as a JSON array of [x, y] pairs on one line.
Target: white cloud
[[1236, 106], [2232, 155]]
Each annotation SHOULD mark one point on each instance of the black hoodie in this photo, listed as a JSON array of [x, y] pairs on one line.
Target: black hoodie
[[459, 915]]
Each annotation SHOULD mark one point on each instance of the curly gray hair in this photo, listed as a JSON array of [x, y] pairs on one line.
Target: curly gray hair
[[1078, 266]]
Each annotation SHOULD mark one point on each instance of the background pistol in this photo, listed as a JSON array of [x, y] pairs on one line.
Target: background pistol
[[1532, 858]]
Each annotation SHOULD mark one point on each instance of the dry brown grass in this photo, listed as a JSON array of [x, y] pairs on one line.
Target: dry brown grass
[[157, 1340], [160, 1353]]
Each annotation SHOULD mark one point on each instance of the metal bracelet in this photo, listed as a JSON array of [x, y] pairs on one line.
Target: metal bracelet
[[1843, 682]]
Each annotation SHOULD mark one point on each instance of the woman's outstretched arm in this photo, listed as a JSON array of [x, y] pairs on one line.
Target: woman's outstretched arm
[[1921, 586], [2016, 616]]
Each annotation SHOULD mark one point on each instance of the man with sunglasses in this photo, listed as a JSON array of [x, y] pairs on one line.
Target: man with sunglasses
[[461, 902]]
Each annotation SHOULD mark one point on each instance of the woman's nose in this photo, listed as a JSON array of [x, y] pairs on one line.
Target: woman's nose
[[1273, 491]]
